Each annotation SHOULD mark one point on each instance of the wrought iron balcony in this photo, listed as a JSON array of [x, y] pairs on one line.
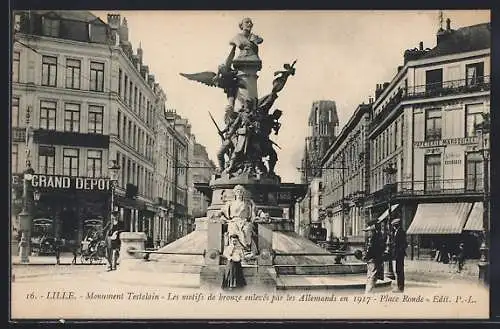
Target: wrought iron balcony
[[450, 87], [445, 88], [440, 187]]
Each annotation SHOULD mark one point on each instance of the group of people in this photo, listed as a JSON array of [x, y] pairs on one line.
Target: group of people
[[390, 248]]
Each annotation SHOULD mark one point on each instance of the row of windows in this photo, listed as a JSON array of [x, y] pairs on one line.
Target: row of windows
[[433, 121], [135, 137], [473, 172], [73, 70], [379, 178], [134, 173], [474, 74], [388, 141], [72, 116], [134, 98], [71, 161]]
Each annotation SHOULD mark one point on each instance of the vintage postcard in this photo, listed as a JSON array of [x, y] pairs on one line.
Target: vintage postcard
[[250, 165]]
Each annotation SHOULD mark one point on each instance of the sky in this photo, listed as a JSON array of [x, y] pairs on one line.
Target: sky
[[341, 56]]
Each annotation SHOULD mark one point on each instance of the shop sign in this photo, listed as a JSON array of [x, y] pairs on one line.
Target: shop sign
[[71, 183]]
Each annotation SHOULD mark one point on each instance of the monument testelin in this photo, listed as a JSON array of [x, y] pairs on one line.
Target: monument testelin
[[245, 187], [246, 193]]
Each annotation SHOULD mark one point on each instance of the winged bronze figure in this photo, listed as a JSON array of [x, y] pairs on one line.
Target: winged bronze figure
[[225, 78]]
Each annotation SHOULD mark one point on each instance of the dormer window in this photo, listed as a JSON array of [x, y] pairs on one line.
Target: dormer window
[[50, 27]]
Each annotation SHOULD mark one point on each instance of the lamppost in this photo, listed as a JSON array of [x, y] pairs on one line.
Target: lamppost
[[483, 132], [390, 172], [26, 215], [114, 170]]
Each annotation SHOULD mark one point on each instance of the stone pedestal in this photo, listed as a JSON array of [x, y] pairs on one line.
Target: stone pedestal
[[214, 243], [247, 71], [265, 238], [131, 241]]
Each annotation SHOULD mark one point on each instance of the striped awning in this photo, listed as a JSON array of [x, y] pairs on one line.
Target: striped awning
[[475, 221], [386, 212], [440, 218]]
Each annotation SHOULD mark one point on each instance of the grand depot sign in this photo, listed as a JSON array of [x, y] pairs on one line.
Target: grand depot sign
[[70, 183]]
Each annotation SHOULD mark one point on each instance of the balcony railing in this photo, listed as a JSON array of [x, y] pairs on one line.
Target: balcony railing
[[439, 89], [440, 187], [449, 87]]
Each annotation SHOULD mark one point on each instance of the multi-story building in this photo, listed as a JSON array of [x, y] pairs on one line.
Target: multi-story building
[[178, 187], [201, 170], [61, 77], [346, 178], [322, 122], [424, 125], [91, 100]]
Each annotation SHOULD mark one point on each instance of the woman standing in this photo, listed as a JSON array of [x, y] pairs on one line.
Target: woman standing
[[233, 274]]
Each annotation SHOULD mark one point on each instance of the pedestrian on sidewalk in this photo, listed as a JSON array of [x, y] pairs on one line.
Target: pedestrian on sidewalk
[[75, 253], [57, 249], [400, 245], [113, 240], [371, 257], [460, 257]]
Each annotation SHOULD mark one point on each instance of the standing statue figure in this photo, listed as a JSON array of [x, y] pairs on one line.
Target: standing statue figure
[[266, 126], [239, 215]]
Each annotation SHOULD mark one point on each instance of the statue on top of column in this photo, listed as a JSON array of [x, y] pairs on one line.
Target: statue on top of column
[[248, 124]]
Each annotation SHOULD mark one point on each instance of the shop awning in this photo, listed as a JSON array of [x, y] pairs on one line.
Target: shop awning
[[386, 212], [475, 221], [440, 218]]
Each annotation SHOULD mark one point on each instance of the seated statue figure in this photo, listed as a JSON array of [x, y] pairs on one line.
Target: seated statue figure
[[239, 215]]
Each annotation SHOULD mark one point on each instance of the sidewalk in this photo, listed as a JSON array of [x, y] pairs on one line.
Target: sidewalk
[[432, 271], [65, 259]]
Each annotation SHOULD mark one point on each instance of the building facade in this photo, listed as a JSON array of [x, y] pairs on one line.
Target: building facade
[[201, 171], [322, 123], [61, 92], [85, 99], [346, 178], [181, 143], [424, 125]]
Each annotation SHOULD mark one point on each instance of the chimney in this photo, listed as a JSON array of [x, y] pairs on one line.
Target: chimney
[[151, 80], [139, 53], [378, 91], [114, 21], [444, 34], [114, 25], [421, 45], [370, 100]]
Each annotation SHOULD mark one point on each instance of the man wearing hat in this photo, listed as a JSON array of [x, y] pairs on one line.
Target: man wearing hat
[[400, 245], [372, 257], [115, 227]]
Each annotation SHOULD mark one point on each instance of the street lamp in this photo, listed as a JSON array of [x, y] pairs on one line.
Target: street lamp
[[483, 132], [26, 215], [390, 173], [114, 170]]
